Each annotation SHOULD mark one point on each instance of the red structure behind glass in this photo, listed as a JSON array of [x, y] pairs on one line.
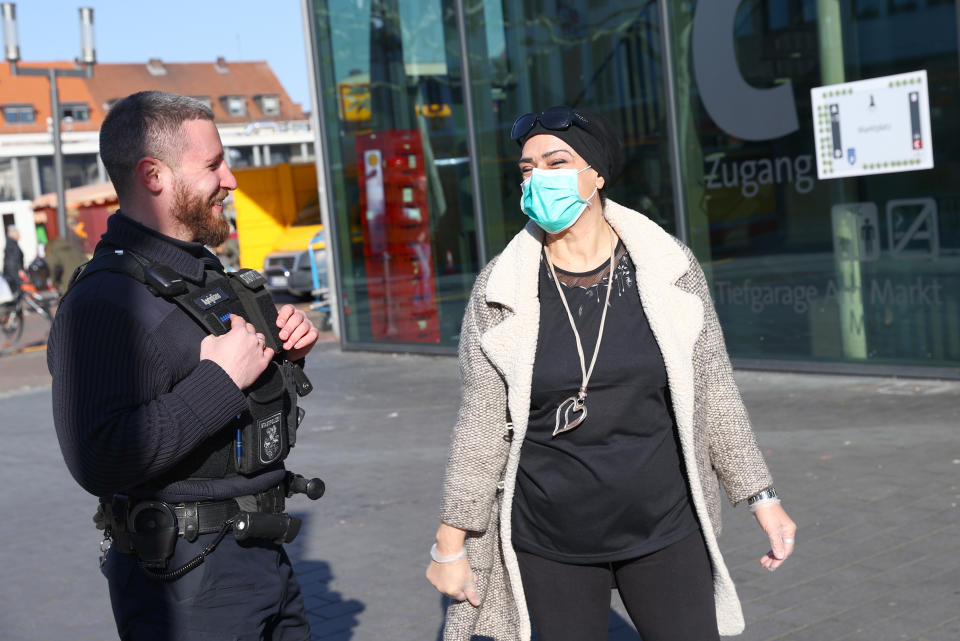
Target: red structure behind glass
[[398, 255]]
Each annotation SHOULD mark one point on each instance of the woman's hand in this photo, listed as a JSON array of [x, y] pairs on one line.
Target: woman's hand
[[453, 578], [782, 532]]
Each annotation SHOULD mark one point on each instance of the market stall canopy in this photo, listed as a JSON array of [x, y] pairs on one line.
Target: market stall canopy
[[85, 196]]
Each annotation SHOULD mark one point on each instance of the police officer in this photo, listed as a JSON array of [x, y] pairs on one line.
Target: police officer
[[173, 393]]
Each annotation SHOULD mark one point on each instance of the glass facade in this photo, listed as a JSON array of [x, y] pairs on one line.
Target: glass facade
[[724, 148]]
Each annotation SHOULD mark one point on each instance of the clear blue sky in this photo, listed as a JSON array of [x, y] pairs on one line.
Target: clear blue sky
[[175, 31]]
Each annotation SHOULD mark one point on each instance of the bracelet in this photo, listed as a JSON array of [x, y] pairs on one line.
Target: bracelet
[[762, 503], [768, 493], [446, 559]]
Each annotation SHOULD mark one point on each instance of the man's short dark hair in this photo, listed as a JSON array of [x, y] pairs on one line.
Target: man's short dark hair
[[145, 124]]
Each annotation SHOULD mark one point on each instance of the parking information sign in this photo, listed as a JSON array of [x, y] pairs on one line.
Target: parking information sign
[[875, 126]]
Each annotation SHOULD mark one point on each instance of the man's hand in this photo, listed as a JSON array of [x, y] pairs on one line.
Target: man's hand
[[240, 352], [296, 331]]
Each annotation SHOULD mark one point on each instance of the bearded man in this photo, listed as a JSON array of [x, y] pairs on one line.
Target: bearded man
[[172, 393]]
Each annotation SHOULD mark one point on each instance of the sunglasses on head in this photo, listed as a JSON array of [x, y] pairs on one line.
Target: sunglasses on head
[[554, 119]]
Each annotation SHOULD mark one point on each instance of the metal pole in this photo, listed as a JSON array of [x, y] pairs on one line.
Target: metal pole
[[471, 136], [89, 58], [673, 127], [324, 193], [57, 155]]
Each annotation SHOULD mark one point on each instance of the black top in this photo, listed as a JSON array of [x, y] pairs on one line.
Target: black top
[[131, 397], [613, 488], [12, 264]]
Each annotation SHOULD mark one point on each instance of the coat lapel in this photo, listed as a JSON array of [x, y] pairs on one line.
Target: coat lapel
[[675, 316], [511, 345]]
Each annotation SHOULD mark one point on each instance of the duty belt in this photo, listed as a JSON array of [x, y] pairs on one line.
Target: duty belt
[[194, 519], [150, 529]]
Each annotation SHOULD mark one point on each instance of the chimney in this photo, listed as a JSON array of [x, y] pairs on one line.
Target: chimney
[[221, 65], [155, 67]]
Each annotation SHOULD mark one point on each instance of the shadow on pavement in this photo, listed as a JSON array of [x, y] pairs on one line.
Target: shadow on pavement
[[332, 616]]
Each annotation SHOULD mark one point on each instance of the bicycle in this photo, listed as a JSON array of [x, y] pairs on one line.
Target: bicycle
[[12, 314]]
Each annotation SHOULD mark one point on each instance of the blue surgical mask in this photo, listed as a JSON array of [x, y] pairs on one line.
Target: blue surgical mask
[[551, 198]]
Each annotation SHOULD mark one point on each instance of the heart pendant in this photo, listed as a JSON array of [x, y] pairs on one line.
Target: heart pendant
[[572, 411]]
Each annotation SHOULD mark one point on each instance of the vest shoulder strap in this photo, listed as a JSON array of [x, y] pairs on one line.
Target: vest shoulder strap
[[161, 280]]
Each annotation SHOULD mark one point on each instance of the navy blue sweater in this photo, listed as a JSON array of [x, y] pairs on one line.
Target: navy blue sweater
[[131, 397]]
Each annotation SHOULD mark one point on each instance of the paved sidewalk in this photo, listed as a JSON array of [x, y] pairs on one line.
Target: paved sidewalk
[[869, 468]]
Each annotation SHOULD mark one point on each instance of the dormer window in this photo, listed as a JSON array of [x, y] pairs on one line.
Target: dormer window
[[269, 104], [19, 114], [76, 111], [236, 106]]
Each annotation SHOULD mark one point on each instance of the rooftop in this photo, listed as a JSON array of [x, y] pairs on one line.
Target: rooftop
[[255, 91]]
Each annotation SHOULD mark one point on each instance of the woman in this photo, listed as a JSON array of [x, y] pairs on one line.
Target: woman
[[599, 413]]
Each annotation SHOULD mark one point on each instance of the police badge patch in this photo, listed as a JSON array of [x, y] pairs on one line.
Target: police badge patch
[[270, 443]]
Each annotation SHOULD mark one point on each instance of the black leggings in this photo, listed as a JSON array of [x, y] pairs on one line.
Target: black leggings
[[668, 595]]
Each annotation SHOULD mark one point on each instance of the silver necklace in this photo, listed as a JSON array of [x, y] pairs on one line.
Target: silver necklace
[[573, 410]]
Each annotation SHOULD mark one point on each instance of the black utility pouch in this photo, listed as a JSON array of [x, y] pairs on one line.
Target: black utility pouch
[[279, 528], [294, 378], [266, 440], [152, 528]]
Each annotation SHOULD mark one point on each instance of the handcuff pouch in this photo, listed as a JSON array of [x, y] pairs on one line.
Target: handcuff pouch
[[152, 528]]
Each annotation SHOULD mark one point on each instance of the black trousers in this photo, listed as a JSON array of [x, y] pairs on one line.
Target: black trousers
[[668, 595], [243, 591]]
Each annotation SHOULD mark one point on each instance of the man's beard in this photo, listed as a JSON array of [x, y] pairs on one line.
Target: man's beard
[[196, 214]]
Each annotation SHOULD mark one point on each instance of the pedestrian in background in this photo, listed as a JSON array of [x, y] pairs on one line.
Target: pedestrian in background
[[599, 417], [13, 261], [170, 404]]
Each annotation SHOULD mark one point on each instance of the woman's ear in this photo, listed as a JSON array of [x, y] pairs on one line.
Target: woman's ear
[[600, 182]]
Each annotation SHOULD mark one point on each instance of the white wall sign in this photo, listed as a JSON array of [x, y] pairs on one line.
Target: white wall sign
[[875, 126]]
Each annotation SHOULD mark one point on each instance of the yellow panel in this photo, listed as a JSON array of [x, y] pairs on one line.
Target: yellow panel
[[266, 201]]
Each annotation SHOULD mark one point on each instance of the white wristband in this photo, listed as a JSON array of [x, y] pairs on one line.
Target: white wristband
[[762, 503], [446, 559]]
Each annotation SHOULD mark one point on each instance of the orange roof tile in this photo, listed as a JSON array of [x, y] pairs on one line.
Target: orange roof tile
[[111, 81], [198, 79], [35, 91]]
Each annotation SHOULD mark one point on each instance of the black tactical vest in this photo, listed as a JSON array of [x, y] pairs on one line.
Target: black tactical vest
[[261, 437]]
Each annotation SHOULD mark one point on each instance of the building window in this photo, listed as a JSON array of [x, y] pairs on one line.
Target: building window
[[236, 106], [19, 114], [76, 111], [270, 104]]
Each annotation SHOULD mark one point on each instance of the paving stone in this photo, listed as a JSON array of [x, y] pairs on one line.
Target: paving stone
[[764, 629]]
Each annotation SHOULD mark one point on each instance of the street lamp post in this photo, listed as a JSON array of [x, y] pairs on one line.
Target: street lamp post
[[83, 68]]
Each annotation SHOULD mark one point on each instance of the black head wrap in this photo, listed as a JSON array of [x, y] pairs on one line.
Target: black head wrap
[[601, 146]]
